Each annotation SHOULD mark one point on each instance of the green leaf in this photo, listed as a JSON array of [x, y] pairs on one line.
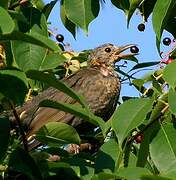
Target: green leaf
[[33, 38], [171, 173], [123, 5], [163, 148], [82, 12], [171, 25], [131, 58], [105, 176], [48, 8], [21, 161], [133, 6], [161, 14], [153, 177], [51, 61], [148, 135], [76, 110], [13, 85], [28, 56], [133, 173], [109, 153], [123, 123], [8, 52], [4, 136], [7, 24], [144, 65], [67, 23], [55, 133], [4, 3], [146, 8], [172, 101], [169, 74]]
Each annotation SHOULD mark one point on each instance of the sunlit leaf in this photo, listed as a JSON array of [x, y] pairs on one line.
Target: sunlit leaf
[[67, 23], [172, 101], [123, 123], [82, 12], [55, 133], [169, 74], [161, 13], [7, 24], [164, 158]]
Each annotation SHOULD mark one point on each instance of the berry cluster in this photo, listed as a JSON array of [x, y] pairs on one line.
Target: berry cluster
[[167, 57]]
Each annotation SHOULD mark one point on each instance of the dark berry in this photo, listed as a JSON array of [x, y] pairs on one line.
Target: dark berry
[[61, 47], [134, 49], [139, 138], [166, 41], [169, 61], [59, 37], [141, 27]]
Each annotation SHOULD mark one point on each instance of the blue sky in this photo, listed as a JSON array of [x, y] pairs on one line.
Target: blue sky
[[110, 27]]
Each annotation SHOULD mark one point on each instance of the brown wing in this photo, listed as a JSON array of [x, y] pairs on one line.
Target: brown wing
[[100, 93]]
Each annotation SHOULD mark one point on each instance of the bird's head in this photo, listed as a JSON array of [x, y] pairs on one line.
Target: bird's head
[[108, 54]]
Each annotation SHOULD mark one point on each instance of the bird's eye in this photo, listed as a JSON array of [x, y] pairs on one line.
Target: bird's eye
[[107, 50]]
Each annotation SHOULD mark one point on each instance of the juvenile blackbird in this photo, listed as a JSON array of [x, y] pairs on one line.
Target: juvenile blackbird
[[98, 83]]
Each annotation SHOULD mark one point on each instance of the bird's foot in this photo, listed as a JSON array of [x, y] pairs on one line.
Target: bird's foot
[[75, 149]]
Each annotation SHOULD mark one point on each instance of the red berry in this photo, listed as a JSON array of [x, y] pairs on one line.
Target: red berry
[[139, 138], [169, 61], [59, 37]]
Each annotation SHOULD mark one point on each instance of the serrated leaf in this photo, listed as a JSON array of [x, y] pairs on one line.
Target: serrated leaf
[[144, 65], [161, 14], [123, 123], [169, 74], [7, 24], [109, 153], [57, 133], [164, 158], [4, 136], [82, 12]]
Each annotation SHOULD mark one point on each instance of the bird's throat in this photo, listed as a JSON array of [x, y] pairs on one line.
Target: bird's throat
[[106, 70]]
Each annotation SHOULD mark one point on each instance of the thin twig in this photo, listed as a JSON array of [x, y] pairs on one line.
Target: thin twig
[[25, 144]]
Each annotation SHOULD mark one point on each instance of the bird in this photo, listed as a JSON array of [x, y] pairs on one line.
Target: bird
[[98, 83]]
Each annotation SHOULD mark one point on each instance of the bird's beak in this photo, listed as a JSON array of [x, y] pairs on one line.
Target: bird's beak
[[121, 49]]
